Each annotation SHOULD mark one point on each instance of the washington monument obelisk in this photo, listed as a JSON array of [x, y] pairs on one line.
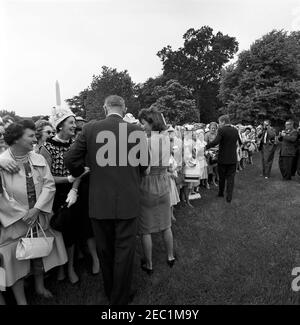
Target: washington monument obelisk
[[57, 91]]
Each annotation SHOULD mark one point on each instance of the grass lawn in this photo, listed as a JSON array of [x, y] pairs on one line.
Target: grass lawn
[[238, 253]]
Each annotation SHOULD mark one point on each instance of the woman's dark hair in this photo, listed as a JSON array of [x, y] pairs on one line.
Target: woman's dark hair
[[153, 117], [16, 130]]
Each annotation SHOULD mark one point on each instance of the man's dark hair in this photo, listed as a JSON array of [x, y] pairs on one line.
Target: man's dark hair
[[16, 130], [224, 119]]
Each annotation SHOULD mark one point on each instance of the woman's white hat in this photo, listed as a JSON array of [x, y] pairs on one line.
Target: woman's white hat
[[59, 114], [129, 118]]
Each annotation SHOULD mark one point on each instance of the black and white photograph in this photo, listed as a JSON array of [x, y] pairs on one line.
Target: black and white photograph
[[149, 155]]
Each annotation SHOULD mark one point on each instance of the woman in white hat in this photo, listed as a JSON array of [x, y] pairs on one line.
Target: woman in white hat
[[75, 226]]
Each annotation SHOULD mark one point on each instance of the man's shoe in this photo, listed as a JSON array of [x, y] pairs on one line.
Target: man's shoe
[[228, 199]]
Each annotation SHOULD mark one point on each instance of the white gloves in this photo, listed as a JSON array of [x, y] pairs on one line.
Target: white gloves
[[71, 179], [72, 197]]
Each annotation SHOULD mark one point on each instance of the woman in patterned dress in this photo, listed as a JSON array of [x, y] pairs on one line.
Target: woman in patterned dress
[[77, 225]]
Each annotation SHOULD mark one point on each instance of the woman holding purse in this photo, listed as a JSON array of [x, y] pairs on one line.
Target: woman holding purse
[[26, 196]]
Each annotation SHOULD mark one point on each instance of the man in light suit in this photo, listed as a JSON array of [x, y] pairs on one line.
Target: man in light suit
[[114, 194]]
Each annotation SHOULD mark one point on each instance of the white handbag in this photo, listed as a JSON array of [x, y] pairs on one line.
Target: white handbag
[[34, 247], [192, 171]]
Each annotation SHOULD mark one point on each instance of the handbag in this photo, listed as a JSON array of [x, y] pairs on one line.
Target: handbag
[[61, 218], [213, 157], [31, 247], [192, 171]]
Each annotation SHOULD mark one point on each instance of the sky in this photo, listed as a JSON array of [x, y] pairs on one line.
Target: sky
[[69, 41]]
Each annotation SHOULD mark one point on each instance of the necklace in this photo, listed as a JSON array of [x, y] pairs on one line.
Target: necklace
[[25, 161], [18, 158]]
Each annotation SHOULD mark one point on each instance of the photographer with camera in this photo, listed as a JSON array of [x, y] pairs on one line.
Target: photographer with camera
[[267, 147], [288, 139]]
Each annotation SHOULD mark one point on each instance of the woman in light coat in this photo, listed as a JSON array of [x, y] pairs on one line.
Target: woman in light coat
[[26, 197]]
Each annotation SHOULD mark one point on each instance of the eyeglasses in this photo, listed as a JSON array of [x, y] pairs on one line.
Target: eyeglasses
[[50, 132]]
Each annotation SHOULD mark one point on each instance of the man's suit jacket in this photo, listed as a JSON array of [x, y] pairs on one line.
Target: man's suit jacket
[[227, 138], [114, 191], [289, 144], [270, 139]]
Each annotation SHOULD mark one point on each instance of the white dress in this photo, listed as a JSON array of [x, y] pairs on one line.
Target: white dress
[[174, 196]]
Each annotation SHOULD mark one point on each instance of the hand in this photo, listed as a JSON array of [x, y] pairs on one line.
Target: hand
[[31, 217], [9, 165], [71, 179], [72, 197]]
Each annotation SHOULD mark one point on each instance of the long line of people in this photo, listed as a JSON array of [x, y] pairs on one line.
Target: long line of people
[[36, 186]]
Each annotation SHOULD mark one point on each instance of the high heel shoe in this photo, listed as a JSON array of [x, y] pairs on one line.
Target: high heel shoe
[[145, 268], [171, 262]]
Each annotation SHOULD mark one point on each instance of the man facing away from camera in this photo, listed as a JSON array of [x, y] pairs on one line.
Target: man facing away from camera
[[114, 194], [227, 138], [267, 147], [288, 149]]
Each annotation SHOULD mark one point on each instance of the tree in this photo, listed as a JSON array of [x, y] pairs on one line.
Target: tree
[[265, 81], [4, 112], [89, 103], [198, 65], [176, 102], [145, 90], [78, 103]]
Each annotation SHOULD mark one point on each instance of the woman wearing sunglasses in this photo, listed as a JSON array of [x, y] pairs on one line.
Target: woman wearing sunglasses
[[44, 131]]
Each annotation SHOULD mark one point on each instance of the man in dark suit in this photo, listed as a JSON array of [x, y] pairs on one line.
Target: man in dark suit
[[227, 138], [267, 147], [288, 139], [114, 194]]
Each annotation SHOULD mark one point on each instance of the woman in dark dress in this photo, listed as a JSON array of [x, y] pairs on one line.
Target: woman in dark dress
[[77, 225]]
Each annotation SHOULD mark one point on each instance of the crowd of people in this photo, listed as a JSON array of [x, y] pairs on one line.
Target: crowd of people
[[50, 177]]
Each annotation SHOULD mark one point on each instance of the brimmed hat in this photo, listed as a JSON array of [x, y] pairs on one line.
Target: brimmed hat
[[59, 114], [79, 119], [129, 118]]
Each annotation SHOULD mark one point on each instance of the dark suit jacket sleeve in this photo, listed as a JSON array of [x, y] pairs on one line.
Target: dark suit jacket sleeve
[[75, 157], [290, 137], [216, 141]]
